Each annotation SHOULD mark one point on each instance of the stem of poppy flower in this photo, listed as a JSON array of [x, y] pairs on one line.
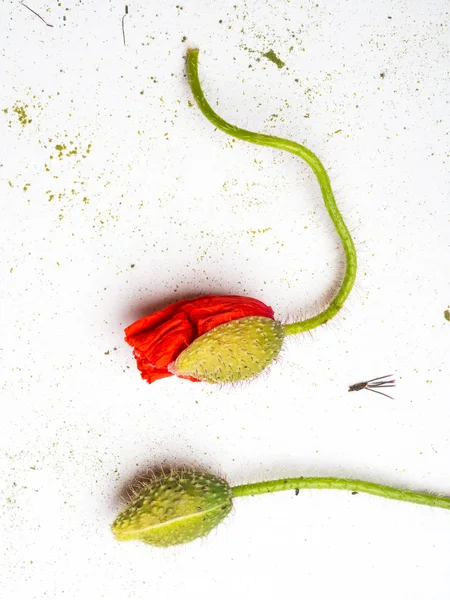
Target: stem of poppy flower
[[322, 177], [334, 483]]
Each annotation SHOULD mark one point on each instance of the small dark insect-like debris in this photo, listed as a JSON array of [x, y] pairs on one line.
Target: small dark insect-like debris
[[373, 385], [297, 491]]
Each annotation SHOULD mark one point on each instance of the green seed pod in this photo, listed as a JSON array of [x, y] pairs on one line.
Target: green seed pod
[[174, 508], [231, 352]]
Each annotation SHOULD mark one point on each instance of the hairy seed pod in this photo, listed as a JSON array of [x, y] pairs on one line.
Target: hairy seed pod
[[174, 508], [231, 352]]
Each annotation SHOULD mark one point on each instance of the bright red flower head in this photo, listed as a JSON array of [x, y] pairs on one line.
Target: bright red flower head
[[161, 337]]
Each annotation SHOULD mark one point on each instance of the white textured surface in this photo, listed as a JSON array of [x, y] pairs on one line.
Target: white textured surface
[[161, 190]]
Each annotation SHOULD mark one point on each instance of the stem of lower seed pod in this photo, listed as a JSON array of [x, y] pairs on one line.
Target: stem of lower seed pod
[[322, 177], [334, 483]]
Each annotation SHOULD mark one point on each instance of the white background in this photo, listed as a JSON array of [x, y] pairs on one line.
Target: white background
[[196, 213]]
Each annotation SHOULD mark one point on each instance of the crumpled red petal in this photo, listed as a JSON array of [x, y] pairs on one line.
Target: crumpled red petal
[[221, 309], [160, 337], [151, 321]]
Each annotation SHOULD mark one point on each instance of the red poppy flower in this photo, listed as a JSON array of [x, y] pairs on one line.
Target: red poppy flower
[[161, 337]]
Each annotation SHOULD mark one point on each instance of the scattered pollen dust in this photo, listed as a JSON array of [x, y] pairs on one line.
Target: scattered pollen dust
[[256, 231], [20, 111]]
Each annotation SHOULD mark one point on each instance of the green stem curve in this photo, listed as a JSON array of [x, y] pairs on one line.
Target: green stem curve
[[322, 177], [334, 483]]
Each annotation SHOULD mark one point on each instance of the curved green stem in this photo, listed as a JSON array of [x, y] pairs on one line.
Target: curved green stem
[[322, 177], [334, 483]]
